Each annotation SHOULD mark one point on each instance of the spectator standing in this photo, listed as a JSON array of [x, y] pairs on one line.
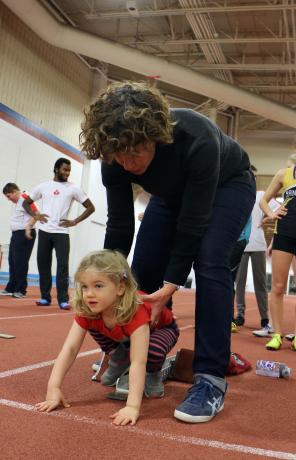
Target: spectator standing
[[256, 252], [283, 245], [57, 198], [20, 247]]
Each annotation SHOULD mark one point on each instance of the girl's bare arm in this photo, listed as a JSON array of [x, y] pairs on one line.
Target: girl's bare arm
[[64, 361], [137, 373]]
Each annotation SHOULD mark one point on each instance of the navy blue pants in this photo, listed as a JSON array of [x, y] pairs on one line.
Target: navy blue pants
[[232, 207], [20, 250]]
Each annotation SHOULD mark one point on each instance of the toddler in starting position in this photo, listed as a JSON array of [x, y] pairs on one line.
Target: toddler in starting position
[[108, 306]]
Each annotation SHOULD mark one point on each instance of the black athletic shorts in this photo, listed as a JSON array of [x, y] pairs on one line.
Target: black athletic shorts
[[284, 243]]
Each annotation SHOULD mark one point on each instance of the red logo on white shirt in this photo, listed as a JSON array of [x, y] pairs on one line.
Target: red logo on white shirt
[[56, 192]]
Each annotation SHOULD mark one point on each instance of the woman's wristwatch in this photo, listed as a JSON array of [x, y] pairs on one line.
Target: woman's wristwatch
[[172, 284]]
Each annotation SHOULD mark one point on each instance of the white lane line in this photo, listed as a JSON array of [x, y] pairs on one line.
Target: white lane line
[[190, 326], [189, 440], [21, 370], [30, 299], [37, 316]]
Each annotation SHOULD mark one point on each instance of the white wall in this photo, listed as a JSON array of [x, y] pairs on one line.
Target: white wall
[[48, 85], [267, 155], [27, 161]]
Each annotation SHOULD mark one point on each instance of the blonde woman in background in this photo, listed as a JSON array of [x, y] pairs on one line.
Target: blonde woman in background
[[283, 245]]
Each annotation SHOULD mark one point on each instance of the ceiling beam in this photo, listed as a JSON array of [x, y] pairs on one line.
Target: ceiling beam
[[191, 41], [183, 11], [251, 67]]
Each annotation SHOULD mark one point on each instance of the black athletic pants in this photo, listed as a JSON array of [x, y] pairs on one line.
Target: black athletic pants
[[46, 243], [20, 250]]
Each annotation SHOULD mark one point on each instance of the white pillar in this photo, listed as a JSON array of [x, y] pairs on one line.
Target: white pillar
[[213, 113], [236, 124], [89, 234]]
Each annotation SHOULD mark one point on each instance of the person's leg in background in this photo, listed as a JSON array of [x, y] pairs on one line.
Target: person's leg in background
[[44, 261], [214, 290], [235, 259], [10, 287], [61, 242], [293, 335], [24, 247], [281, 261], [258, 259], [240, 292]]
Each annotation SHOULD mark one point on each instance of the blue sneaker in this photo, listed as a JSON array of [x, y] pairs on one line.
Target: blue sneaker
[[64, 306], [203, 402], [42, 303]]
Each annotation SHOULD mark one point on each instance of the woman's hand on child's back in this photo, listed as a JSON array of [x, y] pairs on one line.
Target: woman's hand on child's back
[[54, 399], [158, 300], [126, 415]]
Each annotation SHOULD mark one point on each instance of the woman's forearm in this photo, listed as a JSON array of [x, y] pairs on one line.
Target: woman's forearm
[[265, 208]]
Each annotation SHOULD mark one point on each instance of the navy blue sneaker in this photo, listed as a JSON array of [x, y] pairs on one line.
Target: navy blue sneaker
[[203, 401]]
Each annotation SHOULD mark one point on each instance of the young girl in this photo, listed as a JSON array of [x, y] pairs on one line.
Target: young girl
[[108, 306]]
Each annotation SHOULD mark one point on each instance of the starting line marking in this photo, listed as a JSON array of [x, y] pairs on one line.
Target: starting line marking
[[189, 440], [21, 370]]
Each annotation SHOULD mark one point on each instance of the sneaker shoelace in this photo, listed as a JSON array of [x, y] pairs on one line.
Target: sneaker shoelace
[[199, 392]]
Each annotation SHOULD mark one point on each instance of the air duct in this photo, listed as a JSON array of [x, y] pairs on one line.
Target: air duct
[[37, 18]]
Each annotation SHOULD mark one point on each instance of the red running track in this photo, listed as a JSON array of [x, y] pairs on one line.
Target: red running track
[[258, 420]]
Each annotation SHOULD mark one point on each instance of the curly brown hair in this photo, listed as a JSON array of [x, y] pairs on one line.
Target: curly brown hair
[[125, 115]]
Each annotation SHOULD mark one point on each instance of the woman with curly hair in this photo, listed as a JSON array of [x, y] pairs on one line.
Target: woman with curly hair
[[202, 192]]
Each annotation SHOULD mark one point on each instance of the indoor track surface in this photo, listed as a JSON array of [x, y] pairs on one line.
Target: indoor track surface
[[258, 421]]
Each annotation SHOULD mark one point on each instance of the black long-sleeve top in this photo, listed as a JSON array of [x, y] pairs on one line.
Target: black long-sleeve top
[[186, 175]]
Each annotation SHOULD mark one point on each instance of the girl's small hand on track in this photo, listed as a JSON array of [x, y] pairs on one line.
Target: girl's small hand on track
[[51, 404]]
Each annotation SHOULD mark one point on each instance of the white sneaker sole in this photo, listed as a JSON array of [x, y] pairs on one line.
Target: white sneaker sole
[[262, 334], [195, 418], [96, 367]]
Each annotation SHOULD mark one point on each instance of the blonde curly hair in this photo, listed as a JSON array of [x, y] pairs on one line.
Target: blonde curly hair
[[125, 115], [115, 266]]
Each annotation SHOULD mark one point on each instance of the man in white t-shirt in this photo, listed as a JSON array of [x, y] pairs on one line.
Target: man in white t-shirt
[[57, 197], [20, 247], [256, 251]]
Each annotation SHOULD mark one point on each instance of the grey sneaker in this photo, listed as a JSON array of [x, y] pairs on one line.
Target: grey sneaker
[[265, 331], [118, 363], [18, 295], [154, 387], [4, 292]]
